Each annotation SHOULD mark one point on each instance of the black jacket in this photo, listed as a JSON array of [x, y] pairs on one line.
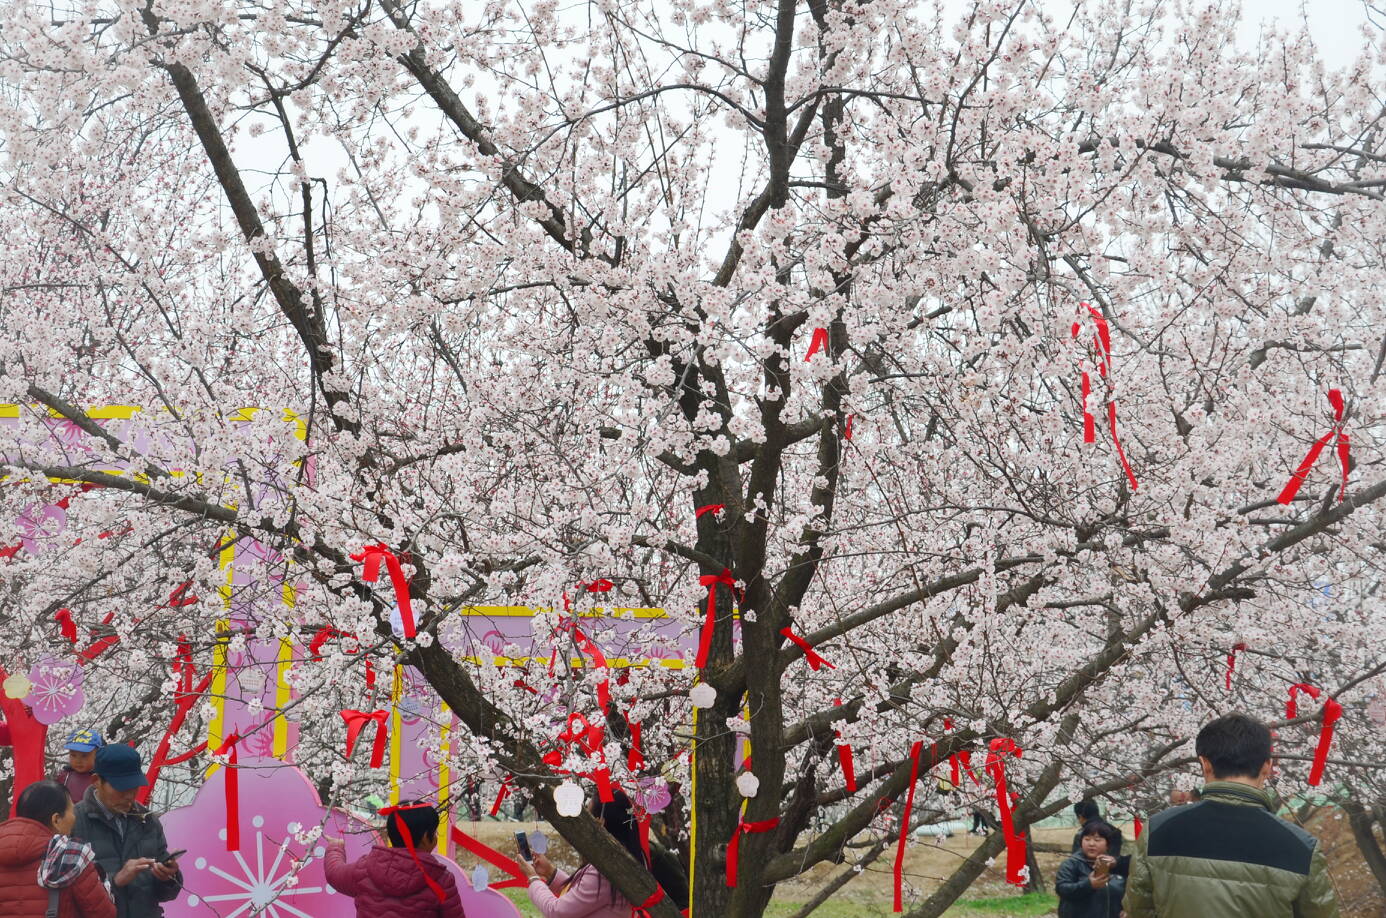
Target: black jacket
[[143, 836], [1078, 899]]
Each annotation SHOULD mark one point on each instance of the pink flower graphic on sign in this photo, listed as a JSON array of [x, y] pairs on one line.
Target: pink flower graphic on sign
[[57, 690], [40, 527], [275, 874]]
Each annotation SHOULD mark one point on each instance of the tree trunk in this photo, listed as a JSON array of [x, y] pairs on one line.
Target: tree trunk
[[1362, 822]]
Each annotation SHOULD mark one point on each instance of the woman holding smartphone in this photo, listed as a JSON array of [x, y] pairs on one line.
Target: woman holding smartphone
[[1086, 884]]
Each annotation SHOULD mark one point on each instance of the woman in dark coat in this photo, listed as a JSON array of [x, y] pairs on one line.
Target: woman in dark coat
[[1086, 884]]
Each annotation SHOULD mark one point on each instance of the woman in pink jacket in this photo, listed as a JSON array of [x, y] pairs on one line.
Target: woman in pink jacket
[[586, 893]]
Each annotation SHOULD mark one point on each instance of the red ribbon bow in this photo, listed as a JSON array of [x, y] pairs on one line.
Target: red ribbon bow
[[819, 342], [592, 740], [1232, 661], [711, 581], [899, 870], [408, 837], [1332, 711], [501, 794], [371, 556], [491, 855], [598, 586], [356, 722], [814, 660], [1015, 842], [734, 846], [1102, 344], [1287, 494], [233, 793]]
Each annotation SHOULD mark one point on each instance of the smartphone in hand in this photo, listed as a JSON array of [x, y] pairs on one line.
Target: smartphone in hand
[[173, 856], [522, 840]]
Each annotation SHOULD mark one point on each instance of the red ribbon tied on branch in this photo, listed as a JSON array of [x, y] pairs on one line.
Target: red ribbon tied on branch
[[708, 508], [643, 909], [65, 623], [1332, 711], [844, 758], [1238, 647], [818, 343], [1102, 346], [1015, 842], [321, 637], [356, 722], [371, 556], [734, 846], [491, 855], [408, 837], [711, 581], [1287, 494], [233, 793], [899, 870], [814, 660]]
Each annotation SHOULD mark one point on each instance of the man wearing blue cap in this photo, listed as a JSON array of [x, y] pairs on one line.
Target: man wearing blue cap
[[77, 774], [128, 839]]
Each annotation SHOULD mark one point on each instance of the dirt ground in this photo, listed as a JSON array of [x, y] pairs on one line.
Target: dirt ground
[[928, 861]]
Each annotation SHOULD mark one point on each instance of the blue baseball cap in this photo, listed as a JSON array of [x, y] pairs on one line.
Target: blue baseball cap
[[84, 741], [119, 766]]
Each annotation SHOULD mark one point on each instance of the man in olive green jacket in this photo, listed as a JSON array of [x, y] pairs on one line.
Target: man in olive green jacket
[[1229, 856]]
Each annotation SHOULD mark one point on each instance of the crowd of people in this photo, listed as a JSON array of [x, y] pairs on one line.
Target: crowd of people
[[81, 846]]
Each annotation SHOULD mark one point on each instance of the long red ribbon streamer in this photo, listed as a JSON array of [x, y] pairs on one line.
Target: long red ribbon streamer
[[905, 827], [705, 638], [233, 793], [371, 556], [844, 758], [492, 856], [734, 846], [1102, 343], [1015, 842], [814, 660], [356, 721], [818, 343], [1332, 710], [409, 843], [1287, 494], [1232, 661]]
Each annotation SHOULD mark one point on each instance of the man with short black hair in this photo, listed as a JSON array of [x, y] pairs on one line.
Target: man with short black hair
[[1229, 855]]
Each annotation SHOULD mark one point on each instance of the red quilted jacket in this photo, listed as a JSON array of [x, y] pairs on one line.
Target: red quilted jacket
[[22, 844], [386, 883]]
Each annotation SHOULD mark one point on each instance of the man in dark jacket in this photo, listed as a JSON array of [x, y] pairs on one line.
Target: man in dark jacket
[[128, 840], [1229, 855]]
